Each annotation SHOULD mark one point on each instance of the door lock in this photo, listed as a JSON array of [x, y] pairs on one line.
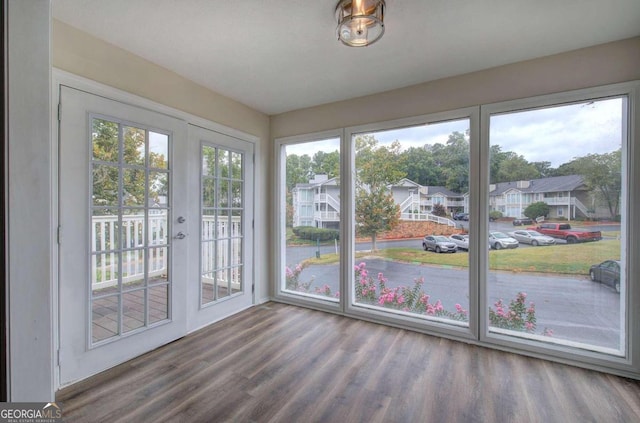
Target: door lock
[[181, 219]]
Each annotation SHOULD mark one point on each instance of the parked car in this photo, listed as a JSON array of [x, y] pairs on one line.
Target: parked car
[[532, 237], [566, 232], [607, 272], [439, 244], [461, 241], [499, 240], [522, 221], [461, 216]]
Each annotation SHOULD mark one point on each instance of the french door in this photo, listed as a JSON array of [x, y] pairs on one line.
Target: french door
[[154, 230], [223, 235]]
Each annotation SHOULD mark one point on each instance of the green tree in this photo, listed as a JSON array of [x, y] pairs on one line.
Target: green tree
[[514, 167], [455, 166], [602, 174], [106, 147], [298, 170], [377, 167], [537, 209], [420, 166], [326, 163], [544, 169]]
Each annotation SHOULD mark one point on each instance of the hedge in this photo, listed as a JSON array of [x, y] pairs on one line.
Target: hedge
[[313, 233]]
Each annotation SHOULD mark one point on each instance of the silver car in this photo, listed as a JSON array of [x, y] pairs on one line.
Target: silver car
[[461, 241], [499, 240], [532, 237], [439, 244]]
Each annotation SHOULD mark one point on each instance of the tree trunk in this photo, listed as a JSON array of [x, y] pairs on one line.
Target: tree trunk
[[373, 242]]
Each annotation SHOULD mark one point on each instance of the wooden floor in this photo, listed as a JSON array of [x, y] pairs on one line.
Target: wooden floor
[[280, 363]]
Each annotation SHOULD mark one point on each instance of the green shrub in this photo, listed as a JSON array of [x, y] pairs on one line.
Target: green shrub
[[535, 210], [314, 234], [495, 214]]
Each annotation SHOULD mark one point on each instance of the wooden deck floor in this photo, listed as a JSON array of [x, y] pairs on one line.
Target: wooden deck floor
[[280, 363]]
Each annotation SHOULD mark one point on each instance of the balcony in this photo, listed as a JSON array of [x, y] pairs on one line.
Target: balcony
[[104, 260]]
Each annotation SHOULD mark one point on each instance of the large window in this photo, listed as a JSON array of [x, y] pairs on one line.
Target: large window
[[411, 254], [507, 224], [311, 220], [562, 279]]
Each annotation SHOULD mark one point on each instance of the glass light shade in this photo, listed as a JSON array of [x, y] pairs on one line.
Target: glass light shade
[[360, 22]]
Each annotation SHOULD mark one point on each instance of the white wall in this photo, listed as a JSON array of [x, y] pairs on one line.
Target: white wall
[[30, 202], [84, 55], [588, 67]]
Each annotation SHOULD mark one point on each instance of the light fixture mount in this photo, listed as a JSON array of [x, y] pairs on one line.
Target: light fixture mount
[[360, 22]]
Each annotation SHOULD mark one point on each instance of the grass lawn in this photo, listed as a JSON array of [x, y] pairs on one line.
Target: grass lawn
[[562, 259]]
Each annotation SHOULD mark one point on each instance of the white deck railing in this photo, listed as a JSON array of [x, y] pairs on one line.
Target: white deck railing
[[104, 265], [327, 216], [427, 217]]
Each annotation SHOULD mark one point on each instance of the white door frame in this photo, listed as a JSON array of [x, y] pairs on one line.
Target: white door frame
[[61, 77]]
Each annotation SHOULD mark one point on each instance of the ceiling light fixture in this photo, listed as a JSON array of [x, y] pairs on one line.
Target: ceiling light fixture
[[360, 22]]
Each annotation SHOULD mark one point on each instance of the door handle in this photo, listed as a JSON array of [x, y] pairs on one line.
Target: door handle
[[180, 235]]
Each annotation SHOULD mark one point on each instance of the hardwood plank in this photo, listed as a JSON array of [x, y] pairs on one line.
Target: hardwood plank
[[281, 363]]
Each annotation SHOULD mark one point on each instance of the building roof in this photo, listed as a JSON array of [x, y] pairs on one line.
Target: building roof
[[432, 190], [551, 184], [318, 180]]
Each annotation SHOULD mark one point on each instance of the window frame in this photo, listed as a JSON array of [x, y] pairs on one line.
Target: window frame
[[280, 174], [629, 364], [443, 329], [479, 188]]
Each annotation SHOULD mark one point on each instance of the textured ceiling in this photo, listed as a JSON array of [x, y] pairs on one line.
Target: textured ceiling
[[281, 55]]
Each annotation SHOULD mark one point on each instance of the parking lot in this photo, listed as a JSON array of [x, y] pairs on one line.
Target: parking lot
[[575, 308]]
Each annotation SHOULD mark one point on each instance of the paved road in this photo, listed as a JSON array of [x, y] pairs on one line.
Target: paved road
[[575, 308], [298, 254]]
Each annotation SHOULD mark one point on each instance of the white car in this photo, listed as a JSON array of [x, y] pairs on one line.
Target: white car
[[499, 240], [461, 241], [532, 237]]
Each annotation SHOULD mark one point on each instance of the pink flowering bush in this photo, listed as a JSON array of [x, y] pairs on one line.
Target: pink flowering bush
[[518, 316], [326, 291], [369, 290], [292, 275], [410, 299]]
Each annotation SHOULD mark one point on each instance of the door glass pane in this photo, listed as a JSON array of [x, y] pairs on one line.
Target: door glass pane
[[129, 214], [133, 228], [221, 236], [105, 269], [105, 185], [133, 187], [133, 310], [105, 230], [557, 190], [411, 200], [158, 189], [133, 269], [134, 146], [158, 303], [104, 137], [158, 150], [158, 265], [105, 318], [312, 219]]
